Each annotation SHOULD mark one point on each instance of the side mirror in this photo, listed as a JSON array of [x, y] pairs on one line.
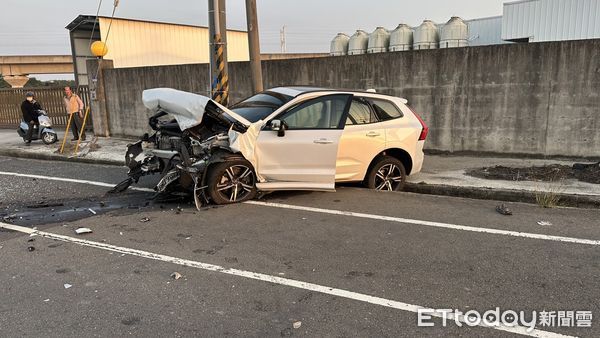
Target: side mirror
[[279, 127]]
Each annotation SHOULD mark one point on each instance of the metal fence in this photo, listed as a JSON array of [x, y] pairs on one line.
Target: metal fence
[[51, 99]]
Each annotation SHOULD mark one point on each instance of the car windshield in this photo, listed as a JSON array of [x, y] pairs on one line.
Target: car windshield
[[259, 106]]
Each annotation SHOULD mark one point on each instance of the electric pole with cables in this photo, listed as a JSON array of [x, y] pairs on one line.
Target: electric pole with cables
[[254, 46], [219, 81]]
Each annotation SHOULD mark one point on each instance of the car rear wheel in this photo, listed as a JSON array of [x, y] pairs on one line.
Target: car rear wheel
[[232, 182], [387, 174]]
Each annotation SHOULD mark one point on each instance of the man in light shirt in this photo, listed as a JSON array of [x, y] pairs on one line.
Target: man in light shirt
[[74, 106]]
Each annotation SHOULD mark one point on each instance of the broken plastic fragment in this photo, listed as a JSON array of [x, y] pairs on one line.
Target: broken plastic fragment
[[544, 223], [176, 275], [297, 325], [92, 211], [80, 231], [67, 286], [503, 210], [145, 219]]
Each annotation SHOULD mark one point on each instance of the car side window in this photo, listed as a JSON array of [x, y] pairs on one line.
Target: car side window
[[360, 113], [385, 110], [320, 113]]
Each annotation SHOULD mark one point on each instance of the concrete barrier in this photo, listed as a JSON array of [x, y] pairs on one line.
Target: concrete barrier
[[535, 98]]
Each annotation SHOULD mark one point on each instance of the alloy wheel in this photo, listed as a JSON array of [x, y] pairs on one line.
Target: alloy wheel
[[236, 183], [388, 177]]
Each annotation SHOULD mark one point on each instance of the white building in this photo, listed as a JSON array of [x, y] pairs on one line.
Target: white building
[[137, 43], [537, 21]]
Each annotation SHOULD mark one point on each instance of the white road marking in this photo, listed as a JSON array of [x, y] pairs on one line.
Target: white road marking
[[352, 214], [430, 223], [272, 279], [71, 180]]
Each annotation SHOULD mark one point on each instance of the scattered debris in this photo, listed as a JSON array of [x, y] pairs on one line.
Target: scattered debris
[[47, 300], [92, 211], [31, 239], [102, 204], [145, 219], [297, 325], [544, 223], [67, 286], [179, 210], [80, 231], [10, 217], [176, 275], [30, 248], [503, 210]]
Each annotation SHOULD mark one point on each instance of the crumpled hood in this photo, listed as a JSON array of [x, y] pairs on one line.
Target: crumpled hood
[[187, 108]]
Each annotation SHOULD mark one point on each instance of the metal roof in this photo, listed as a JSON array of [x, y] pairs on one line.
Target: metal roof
[[86, 22]]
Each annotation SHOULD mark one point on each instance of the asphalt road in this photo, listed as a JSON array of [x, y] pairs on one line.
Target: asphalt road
[[408, 250]]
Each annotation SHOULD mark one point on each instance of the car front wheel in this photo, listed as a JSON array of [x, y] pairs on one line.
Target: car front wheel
[[232, 182], [387, 174]]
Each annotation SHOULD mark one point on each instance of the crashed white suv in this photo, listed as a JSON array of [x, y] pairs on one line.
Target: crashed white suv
[[286, 138]]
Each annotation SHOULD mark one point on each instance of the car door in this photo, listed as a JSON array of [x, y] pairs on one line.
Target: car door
[[304, 158], [362, 139]]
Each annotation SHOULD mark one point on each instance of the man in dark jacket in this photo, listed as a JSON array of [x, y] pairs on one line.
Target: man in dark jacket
[[30, 108]]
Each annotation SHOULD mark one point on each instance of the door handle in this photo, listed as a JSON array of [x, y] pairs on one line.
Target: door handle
[[323, 141], [373, 134]]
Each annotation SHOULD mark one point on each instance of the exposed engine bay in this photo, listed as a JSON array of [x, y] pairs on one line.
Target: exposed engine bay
[[191, 134]]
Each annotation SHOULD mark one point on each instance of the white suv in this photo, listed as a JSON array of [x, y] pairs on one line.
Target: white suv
[[286, 138]]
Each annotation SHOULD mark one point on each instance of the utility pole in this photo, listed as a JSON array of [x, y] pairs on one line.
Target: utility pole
[[254, 46], [282, 40], [219, 81]]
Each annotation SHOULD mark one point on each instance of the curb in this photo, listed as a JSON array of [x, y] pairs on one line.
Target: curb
[[565, 200], [53, 157]]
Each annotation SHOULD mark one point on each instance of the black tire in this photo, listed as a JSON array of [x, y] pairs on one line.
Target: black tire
[[232, 181], [49, 138], [387, 174]]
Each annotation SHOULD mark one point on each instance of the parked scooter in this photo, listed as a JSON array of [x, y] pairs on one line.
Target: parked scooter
[[43, 132]]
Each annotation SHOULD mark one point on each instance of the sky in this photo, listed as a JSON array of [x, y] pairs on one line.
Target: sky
[[36, 27]]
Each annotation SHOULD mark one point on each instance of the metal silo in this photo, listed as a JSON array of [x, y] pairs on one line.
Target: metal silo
[[339, 45], [358, 43], [455, 33], [401, 38], [378, 41], [426, 36]]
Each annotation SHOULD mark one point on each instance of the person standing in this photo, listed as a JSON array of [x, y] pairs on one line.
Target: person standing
[[30, 108], [74, 106]]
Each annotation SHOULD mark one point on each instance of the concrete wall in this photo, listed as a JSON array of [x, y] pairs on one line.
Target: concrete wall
[[539, 98]]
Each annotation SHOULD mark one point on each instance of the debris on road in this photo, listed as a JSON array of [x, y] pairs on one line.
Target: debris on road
[[81, 231], [31, 239], [503, 210], [92, 211], [30, 248], [145, 219], [297, 325], [47, 300], [544, 223], [67, 285], [176, 275]]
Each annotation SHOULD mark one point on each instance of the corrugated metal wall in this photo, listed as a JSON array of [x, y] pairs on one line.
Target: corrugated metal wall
[[485, 31], [551, 20], [139, 43]]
